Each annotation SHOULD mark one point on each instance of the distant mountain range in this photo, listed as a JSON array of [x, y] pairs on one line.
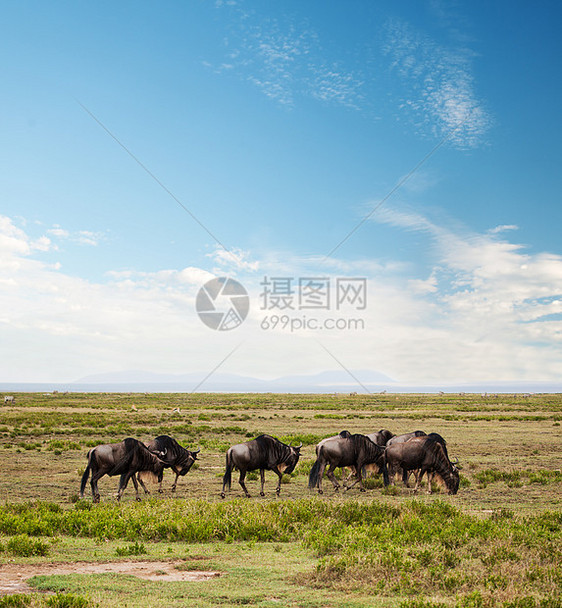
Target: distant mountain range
[[328, 381], [334, 381]]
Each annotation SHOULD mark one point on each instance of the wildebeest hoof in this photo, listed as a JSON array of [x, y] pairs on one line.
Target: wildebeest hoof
[[173, 489], [139, 498], [222, 494], [160, 491], [362, 489], [320, 491], [248, 496], [262, 493]]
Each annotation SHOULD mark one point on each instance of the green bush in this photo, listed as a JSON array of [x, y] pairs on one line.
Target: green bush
[[67, 600], [17, 600], [134, 549], [23, 546]]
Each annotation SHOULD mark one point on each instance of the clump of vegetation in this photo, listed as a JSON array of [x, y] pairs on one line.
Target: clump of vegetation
[[17, 600], [134, 549], [63, 445], [67, 600], [23, 546]]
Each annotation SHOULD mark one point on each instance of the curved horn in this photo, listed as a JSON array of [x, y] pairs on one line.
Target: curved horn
[[298, 447], [456, 461], [196, 451]]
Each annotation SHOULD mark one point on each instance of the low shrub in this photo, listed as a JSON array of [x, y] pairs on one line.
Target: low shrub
[[67, 600], [23, 546]]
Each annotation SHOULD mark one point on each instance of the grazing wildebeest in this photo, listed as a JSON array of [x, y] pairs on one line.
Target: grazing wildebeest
[[354, 451], [426, 454], [380, 437], [264, 453], [406, 473], [178, 458], [125, 459], [405, 437]]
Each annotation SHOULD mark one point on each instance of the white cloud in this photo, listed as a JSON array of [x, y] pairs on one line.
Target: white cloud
[[486, 310], [233, 259]]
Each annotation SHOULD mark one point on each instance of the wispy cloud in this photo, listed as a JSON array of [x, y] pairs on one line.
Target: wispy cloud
[[82, 237], [438, 90], [285, 60]]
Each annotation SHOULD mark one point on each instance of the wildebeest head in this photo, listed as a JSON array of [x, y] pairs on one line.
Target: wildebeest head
[[183, 466], [290, 461]]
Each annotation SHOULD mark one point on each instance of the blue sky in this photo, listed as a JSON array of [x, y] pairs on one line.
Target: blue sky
[[281, 127]]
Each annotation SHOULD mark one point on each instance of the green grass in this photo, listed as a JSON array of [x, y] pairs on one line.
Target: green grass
[[493, 545]]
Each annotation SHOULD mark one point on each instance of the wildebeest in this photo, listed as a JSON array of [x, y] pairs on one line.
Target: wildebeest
[[381, 437], [125, 459], [354, 451], [264, 453], [9, 399], [426, 454], [178, 458], [405, 437]]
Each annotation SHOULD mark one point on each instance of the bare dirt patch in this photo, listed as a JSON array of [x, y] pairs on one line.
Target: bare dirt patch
[[13, 577]]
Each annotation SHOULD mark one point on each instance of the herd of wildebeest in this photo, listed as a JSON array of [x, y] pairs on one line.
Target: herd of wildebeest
[[382, 453]]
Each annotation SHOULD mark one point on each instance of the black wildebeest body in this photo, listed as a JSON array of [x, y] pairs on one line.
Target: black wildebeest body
[[426, 454], [264, 453], [178, 458], [354, 451], [125, 459]]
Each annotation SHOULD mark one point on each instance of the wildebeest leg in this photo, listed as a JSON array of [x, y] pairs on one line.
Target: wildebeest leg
[[133, 477], [94, 485], [278, 488], [359, 479], [146, 491], [352, 474], [405, 476], [332, 477], [174, 485], [262, 479], [419, 478], [241, 482], [429, 480], [391, 472], [123, 482]]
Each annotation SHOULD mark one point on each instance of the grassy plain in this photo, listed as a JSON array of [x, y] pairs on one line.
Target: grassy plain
[[495, 544]]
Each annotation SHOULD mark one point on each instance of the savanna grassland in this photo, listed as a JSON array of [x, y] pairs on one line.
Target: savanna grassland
[[497, 543]]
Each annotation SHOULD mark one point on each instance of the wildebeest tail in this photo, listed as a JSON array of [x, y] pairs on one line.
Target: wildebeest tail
[[85, 477], [227, 479], [314, 475]]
